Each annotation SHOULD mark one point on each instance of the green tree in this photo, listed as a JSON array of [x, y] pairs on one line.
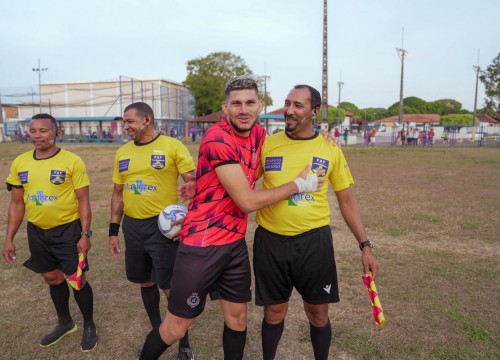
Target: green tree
[[447, 106], [491, 80], [372, 114], [351, 108], [459, 120], [208, 75]]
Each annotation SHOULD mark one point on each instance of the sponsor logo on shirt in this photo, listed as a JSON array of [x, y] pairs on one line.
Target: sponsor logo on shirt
[[23, 177], [319, 166], [301, 199], [158, 162], [123, 165], [57, 177], [139, 188], [273, 163], [40, 199]]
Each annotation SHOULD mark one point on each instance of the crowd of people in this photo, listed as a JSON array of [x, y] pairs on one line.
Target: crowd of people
[[293, 245], [414, 137]]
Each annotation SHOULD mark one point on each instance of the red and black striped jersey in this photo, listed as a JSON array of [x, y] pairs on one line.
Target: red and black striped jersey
[[213, 217]]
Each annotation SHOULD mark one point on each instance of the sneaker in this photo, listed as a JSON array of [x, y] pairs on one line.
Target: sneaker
[[89, 339], [185, 353], [58, 333]]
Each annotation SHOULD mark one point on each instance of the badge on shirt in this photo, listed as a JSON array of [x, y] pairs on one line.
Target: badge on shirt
[[158, 161], [123, 165], [23, 177], [273, 163], [57, 177], [319, 166]]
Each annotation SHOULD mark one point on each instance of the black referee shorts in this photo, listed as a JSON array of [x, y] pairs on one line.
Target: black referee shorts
[[54, 248], [149, 256], [305, 261]]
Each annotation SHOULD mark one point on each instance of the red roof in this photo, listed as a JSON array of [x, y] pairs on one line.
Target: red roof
[[487, 119], [416, 118], [210, 118]]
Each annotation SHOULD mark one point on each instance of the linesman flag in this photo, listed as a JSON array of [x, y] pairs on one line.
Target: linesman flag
[[378, 314], [75, 280]]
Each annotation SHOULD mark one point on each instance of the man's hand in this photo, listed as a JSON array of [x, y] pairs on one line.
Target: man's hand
[[186, 191], [83, 245], [176, 236], [369, 262], [309, 182], [9, 252], [114, 247]]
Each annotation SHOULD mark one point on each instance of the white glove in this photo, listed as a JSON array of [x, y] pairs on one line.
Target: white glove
[[307, 185]]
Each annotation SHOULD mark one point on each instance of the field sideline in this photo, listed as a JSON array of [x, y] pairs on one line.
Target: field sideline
[[432, 213]]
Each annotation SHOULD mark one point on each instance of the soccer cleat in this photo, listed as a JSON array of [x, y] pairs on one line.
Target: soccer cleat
[[58, 333], [185, 353], [89, 339]]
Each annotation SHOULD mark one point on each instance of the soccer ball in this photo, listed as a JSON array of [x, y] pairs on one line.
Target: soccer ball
[[169, 214]]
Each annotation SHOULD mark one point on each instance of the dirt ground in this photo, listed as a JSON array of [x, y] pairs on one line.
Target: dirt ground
[[433, 214]]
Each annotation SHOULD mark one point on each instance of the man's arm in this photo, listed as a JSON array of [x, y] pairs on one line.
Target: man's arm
[[352, 217], [116, 218], [236, 184], [83, 195], [15, 217]]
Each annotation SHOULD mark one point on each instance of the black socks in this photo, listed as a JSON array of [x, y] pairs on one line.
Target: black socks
[[321, 338], [60, 298], [85, 300], [154, 346], [271, 335], [151, 299], [233, 343]]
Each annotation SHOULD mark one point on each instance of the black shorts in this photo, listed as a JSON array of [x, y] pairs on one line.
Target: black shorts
[[54, 248], [305, 261], [149, 256], [223, 271]]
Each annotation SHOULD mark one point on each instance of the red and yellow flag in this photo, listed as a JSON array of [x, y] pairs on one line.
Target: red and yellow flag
[[75, 280], [378, 314]]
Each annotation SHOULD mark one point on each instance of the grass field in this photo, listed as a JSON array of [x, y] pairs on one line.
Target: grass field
[[433, 214]]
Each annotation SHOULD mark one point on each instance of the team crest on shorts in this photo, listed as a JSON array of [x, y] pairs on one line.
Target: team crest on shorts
[[158, 161], [319, 166], [194, 300], [57, 177]]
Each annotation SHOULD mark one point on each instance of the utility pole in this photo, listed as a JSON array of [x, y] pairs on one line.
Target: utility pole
[[401, 53], [324, 100], [265, 77], [39, 69], [340, 84], [477, 70]]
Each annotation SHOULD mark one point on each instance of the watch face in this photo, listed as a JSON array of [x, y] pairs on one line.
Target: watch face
[[87, 232]]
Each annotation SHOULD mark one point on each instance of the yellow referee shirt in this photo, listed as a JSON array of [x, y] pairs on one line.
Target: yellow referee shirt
[[49, 186], [282, 159], [149, 173]]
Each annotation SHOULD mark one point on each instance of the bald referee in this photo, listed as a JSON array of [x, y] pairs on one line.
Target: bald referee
[[145, 176], [293, 245], [52, 186]]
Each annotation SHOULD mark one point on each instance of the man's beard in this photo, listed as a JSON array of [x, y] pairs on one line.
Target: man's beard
[[238, 128]]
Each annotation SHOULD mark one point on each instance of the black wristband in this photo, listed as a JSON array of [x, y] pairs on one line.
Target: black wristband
[[113, 229]]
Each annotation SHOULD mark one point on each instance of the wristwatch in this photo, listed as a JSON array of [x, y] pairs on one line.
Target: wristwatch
[[365, 244], [87, 233]]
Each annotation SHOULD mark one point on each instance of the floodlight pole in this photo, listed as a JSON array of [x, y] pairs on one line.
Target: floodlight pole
[[401, 53], [340, 84], [477, 70], [39, 69], [324, 100]]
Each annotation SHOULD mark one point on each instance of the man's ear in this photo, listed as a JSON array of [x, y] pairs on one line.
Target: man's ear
[[224, 107]]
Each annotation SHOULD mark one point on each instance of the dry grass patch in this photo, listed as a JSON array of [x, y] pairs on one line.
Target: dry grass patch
[[433, 214]]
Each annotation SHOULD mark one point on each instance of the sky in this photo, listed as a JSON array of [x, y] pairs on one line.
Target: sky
[[95, 40]]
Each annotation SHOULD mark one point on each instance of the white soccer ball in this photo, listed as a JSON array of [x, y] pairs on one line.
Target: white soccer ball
[[170, 214]]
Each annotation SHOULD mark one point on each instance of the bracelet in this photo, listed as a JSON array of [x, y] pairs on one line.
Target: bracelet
[[113, 229]]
